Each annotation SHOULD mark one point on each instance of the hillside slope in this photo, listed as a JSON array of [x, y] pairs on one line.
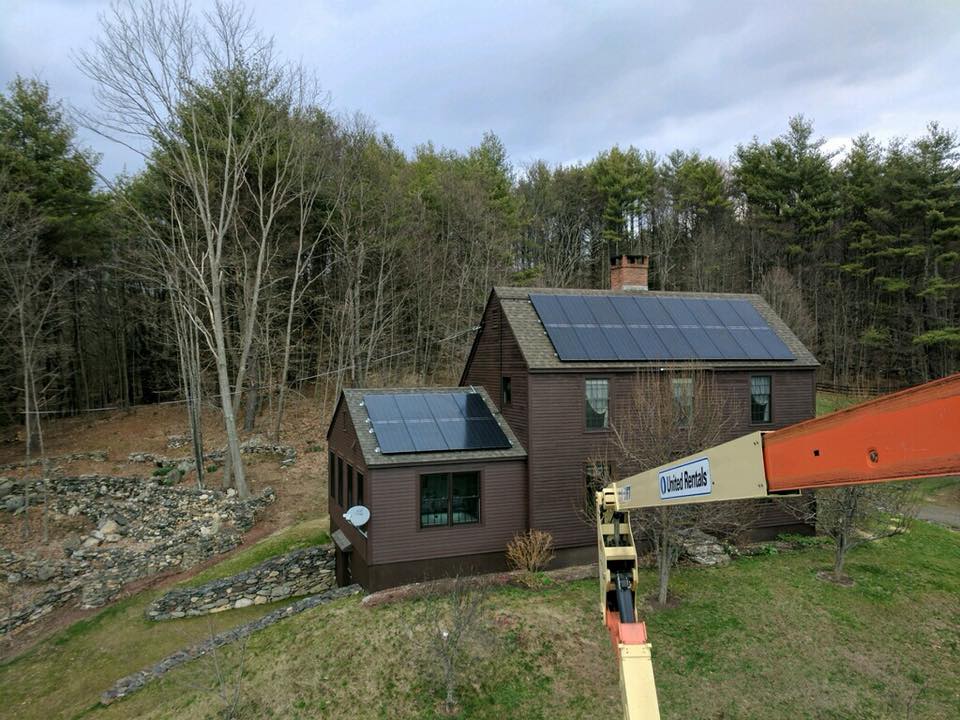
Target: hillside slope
[[761, 638]]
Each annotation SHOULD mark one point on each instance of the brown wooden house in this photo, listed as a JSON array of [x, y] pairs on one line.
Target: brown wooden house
[[556, 404], [432, 513]]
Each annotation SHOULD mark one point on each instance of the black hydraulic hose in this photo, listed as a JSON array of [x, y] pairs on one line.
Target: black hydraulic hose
[[624, 598]]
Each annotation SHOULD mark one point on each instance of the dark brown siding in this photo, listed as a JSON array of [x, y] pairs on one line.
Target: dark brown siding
[[411, 571], [559, 444], [342, 441], [390, 575], [496, 354], [395, 531]]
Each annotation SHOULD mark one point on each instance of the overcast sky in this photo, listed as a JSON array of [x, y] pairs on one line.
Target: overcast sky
[[564, 80]]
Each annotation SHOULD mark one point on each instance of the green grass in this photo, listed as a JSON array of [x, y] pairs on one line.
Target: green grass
[[761, 638], [932, 486], [63, 676], [828, 402], [305, 534]]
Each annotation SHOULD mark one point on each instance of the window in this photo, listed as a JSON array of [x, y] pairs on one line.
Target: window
[[506, 391], [465, 498], [349, 486], [449, 499], [331, 477], [359, 488], [340, 481], [434, 502], [597, 396], [760, 399], [683, 399]]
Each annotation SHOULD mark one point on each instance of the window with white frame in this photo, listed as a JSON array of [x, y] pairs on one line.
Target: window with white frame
[[597, 403], [760, 399], [683, 399]]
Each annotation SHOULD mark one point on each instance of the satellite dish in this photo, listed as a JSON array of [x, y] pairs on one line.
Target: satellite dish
[[358, 516]]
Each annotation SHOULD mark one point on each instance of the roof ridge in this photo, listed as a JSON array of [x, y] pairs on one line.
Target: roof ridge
[[414, 388], [610, 291]]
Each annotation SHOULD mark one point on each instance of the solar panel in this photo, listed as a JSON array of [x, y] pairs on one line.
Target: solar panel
[[610, 328], [433, 422], [763, 332]]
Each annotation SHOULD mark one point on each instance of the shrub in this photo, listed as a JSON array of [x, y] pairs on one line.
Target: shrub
[[161, 471], [530, 552], [211, 468], [804, 541]]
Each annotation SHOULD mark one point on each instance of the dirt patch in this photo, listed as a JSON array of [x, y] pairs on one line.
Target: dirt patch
[[300, 488], [828, 576], [654, 604], [59, 528]]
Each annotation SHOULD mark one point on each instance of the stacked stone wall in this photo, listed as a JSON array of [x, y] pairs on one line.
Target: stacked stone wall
[[142, 529], [302, 572], [253, 446]]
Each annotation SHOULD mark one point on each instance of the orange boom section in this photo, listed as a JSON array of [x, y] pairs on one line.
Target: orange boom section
[[909, 434]]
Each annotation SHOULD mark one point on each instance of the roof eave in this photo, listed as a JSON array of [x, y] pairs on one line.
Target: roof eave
[[380, 462]]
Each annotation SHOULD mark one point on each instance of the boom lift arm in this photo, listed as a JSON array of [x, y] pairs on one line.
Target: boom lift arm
[[914, 433]]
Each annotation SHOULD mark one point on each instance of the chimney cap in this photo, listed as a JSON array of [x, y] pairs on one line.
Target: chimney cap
[[616, 260]]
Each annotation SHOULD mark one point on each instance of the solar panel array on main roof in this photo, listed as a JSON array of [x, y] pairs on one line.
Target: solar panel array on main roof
[[630, 327], [433, 422]]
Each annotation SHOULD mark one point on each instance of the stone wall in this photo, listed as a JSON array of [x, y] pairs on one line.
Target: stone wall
[[142, 529], [253, 446], [134, 682], [302, 572], [95, 455]]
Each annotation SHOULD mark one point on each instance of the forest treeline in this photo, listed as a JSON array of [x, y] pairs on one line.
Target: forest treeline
[[269, 241]]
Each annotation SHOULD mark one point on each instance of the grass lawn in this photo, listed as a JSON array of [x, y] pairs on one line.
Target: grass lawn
[[828, 402], [761, 638], [63, 676]]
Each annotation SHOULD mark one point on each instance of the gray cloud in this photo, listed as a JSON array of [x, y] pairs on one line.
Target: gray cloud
[[562, 81]]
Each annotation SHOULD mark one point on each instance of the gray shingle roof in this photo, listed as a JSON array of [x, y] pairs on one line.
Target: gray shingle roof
[[368, 441], [540, 355]]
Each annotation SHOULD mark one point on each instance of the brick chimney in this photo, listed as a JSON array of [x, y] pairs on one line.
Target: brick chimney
[[629, 272]]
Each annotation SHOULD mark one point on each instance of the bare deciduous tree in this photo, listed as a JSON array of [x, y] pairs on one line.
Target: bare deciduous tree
[[671, 414], [782, 292], [312, 175], [31, 285], [852, 516], [455, 624], [215, 109], [221, 674]]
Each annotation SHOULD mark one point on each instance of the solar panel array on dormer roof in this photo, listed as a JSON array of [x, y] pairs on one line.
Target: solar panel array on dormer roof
[[433, 422], [646, 327]]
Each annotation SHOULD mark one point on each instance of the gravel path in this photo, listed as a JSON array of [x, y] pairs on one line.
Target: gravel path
[[948, 515]]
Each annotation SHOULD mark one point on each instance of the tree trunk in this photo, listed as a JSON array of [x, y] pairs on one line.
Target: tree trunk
[[840, 556], [253, 396], [663, 566], [235, 464]]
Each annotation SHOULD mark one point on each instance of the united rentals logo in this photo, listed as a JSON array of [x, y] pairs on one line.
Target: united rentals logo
[[686, 480]]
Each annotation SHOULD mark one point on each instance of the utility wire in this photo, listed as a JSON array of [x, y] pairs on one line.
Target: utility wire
[[258, 387]]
